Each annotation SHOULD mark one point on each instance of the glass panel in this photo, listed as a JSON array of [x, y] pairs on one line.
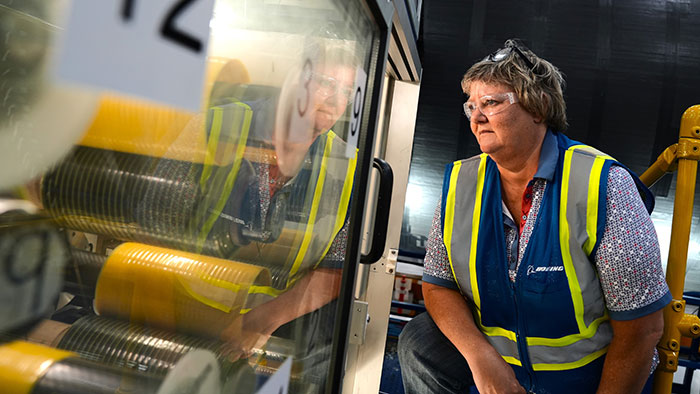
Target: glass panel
[[223, 229]]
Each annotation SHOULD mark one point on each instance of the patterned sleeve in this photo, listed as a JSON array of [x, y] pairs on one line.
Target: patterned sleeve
[[628, 257], [335, 257], [436, 266]]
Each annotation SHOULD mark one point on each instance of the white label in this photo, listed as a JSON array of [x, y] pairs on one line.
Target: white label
[[155, 49], [358, 101], [195, 373], [31, 274], [304, 105], [279, 382]]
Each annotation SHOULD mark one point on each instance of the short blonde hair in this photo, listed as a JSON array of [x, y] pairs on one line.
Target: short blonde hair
[[539, 89]]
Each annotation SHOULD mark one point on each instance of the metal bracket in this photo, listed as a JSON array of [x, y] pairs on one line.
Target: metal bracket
[[688, 148], [359, 318], [391, 261]]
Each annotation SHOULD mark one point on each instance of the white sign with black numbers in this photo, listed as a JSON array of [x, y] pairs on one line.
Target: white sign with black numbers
[[155, 49], [304, 99], [358, 101]]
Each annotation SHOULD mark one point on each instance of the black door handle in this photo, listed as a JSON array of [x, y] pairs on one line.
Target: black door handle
[[381, 221]]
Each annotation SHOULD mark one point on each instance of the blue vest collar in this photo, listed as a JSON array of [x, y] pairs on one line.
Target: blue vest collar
[[549, 155]]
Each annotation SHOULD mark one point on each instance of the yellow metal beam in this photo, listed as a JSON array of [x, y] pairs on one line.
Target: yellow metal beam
[[665, 163]]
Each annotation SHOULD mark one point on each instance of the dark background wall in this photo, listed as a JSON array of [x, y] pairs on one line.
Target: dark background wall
[[632, 67]]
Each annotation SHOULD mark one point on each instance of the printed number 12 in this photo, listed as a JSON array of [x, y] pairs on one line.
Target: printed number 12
[[167, 28]]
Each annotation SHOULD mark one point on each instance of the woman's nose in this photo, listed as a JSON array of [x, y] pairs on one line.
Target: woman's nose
[[477, 116]]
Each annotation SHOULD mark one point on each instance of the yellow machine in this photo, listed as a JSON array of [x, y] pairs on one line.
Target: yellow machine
[[201, 247]]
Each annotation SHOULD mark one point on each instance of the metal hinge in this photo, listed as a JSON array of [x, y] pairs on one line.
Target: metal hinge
[[358, 322]]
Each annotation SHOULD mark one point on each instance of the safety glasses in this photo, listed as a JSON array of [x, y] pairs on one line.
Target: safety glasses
[[490, 104], [329, 86]]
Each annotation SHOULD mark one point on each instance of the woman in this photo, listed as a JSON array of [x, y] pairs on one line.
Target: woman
[[542, 271]]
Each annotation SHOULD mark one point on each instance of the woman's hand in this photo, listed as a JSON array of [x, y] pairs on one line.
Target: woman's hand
[[243, 345], [252, 330], [246, 333], [492, 375], [451, 313]]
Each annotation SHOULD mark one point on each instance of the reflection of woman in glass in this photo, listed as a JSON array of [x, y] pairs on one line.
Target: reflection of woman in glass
[[320, 95], [289, 147], [333, 93], [315, 280]]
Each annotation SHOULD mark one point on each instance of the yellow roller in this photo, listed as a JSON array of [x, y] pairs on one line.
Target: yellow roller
[[175, 290], [141, 127], [23, 363]]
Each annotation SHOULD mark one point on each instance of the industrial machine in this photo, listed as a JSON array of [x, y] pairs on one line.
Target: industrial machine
[[182, 191]]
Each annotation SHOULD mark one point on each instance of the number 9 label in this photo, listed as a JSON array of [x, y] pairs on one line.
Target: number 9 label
[[32, 259], [358, 101]]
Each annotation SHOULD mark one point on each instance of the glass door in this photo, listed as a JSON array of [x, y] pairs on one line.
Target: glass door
[[214, 242]]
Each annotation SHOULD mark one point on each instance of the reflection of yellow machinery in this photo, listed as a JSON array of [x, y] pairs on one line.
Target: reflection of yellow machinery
[[685, 155], [29, 368]]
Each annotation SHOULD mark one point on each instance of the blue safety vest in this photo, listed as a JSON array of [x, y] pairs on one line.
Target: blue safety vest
[[551, 325], [320, 200]]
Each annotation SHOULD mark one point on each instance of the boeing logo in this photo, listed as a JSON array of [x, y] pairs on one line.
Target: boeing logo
[[533, 270]]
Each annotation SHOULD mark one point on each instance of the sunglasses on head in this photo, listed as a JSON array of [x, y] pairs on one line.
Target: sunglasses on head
[[512, 45]]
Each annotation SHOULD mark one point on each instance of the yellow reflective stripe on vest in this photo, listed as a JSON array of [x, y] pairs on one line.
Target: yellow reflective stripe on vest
[[575, 364], [258, 295], [496, 331], [591, 150], [269, 291], [593, 200], [224, 284], [593, 193], [216, 122], [232, 175], [204, 300], [233, 287], [450, 216], [344, 202], [476, 219], [564, 236], [569, 339], [504, 342], [308, 234]]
